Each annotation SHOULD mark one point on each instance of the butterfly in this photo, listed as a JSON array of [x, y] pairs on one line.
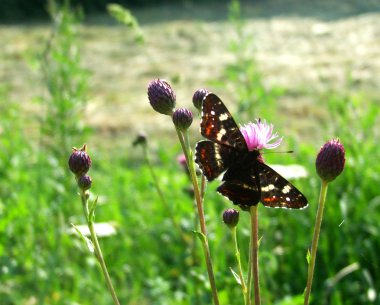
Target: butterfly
[[247, 180]]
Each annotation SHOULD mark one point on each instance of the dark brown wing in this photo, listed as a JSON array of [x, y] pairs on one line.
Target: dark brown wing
[[218, 126], [240, 184], [213, 158], [249, 181], [240, 193], [276, 191]]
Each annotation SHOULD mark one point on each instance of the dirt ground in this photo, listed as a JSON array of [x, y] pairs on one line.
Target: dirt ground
[[303, 46]]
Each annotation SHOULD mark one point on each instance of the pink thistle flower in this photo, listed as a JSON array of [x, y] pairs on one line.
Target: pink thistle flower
[[260, 135]]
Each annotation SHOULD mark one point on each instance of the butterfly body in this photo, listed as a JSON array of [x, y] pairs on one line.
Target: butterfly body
[[247, 180]]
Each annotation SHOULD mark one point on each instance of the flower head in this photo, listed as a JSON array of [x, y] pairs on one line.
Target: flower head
[[330, 160], [79, 161], [259, 135], [141, 139], [181, 159], [182, 118], [231, 217], [198, 98], [84, 182], [161, 96]]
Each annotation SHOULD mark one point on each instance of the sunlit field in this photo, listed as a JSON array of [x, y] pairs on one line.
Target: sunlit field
[[310, 69]]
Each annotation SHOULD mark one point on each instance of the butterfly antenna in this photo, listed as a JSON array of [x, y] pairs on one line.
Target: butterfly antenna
[[279, 152]]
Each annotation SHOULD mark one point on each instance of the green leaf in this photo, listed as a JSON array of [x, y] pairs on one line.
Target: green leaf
[[88, 242], [308, 257], [122, 15], [125, 16], [201, 236], [91, 213], [236, 276]]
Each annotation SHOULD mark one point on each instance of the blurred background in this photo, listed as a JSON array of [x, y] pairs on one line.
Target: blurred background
[[77, 72]]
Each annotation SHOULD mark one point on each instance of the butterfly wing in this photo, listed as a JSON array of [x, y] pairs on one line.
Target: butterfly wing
[[226, 141], [276, 191], [240, 182], [218, 126], [213, 158], [240, 193]]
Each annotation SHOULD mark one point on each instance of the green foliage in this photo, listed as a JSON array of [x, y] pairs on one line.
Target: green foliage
[[243, 77], [66, 83], [125, 17]]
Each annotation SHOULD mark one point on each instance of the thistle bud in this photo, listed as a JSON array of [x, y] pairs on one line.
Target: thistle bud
[[84, 182], [182, 118], [198, 98], [181, 159], [141, 139], [330, 160], [79, 161], [161, 96], [231, 217]]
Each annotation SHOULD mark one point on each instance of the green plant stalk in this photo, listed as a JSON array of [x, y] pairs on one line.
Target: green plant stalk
[[249, 276], [162, 196], [97, 249], [255, 252], [184, 140], [240, 269], [314, 246]]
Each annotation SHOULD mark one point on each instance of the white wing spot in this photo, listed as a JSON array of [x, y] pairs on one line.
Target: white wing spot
[[286, 189], [287, 199], [223, 117], [268, 188], [221, 134], [212, 112]]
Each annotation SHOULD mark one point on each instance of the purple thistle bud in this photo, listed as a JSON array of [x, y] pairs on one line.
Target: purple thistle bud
[[198, 98], [182, 118], [79, 161], [181, 159], [84, 182], [231, 217], [330, 160], [161, 96], [141, 139]]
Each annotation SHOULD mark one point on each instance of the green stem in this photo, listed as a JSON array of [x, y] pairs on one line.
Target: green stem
[[314, 246], [249, 277], [240, 269], [97, 249], [255, 252], [162, 196], [184, 140]]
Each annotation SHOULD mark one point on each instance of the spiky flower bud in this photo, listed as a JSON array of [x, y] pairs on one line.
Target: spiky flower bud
[[79, 161], [161, 96], [198, 98], [182, 118], [140, 140], [231, 217], [330, 160], [84, 182]]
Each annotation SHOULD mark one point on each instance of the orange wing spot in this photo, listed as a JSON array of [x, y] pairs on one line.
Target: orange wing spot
[[270, 199]]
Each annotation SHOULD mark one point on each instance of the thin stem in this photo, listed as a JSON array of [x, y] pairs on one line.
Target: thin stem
[[314, 246], [97, 249], [203, 186], [255, 253], [162, 196], [249, 277], [240, 269], [184, 140]]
